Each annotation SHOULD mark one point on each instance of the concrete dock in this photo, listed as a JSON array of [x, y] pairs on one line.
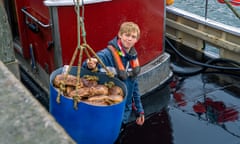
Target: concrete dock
[[23, 119]]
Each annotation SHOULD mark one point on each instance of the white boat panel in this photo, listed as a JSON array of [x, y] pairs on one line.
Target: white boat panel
[[70, 2]]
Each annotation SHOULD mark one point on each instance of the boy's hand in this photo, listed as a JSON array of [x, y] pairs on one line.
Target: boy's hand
[[92, 63], [140, 120]]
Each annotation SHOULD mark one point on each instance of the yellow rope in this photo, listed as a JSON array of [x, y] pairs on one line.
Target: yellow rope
[[84, 47]]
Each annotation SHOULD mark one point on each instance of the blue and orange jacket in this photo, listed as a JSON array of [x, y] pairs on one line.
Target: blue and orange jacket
[[131, 82]]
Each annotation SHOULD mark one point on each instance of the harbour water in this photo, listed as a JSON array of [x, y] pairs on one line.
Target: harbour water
[[203, 108], [215, 10]]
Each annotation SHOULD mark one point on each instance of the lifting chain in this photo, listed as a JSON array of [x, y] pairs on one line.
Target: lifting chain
[[84, 47]]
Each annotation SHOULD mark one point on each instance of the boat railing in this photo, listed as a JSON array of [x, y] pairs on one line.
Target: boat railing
[[24, 10], [196, 32]]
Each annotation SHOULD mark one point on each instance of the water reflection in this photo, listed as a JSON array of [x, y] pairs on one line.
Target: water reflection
[[157, 129], [206, 103], [201, 110]]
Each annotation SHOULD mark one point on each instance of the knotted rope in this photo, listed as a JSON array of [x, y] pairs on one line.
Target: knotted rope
[[84, 47]]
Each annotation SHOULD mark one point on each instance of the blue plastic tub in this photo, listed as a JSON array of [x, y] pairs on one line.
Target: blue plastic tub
[[88, 124]]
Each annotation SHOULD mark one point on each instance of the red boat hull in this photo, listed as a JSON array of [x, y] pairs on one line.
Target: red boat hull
[[102, 21]]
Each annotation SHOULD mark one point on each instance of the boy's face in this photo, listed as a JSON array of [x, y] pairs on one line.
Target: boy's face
[[128, 40]]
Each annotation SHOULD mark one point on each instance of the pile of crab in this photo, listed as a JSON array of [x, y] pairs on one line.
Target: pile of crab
[[88, 90]]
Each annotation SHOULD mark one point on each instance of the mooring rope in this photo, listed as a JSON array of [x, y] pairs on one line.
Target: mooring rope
[[232, 8]]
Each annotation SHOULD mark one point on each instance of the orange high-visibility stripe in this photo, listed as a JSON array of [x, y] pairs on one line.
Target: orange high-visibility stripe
[[134, 63], [117, 58]]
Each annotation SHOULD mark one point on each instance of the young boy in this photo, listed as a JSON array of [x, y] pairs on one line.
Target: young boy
[[120, 57]]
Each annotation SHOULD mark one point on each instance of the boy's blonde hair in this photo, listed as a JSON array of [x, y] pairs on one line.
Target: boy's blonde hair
[[128, 27]]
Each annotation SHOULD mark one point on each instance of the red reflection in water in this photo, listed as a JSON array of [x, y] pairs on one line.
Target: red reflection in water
[[179, 98], [216, 111], [199, 108]]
